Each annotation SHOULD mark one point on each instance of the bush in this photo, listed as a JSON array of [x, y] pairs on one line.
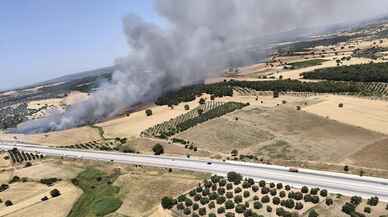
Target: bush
[[305, 190], [329, 201], [187, 107], [195, 206], [238, 199], [348, 208], [282, 194], [229, 204], [148, 112], [273, 192], [246, 194], [367, 210], [276, 200], [221, 191], [255, 188], [237, 190], [262, 183], [220, 210], [265, 199], [221, 200], [257, 205], [265, 190], [44, 198], [234, 177], [188, 202], [229, 194], [55, 193], [8, 203], [212, 215], [212, 205], [313, 213], [202, 211], [158, 149], [269, 209], [204, 200], [187, 211], [299, 206], [167, 202], [279, 186], [229, 214], [229, 186], [323, 193], [373, 201], [180, 206], [240, 208]]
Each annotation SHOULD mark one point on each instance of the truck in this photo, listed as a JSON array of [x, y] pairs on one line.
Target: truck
[[293, 170]]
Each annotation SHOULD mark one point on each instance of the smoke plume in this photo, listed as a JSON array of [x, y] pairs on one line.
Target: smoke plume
[[197, 39]]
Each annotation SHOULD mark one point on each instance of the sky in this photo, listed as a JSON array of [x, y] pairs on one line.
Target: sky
[[44, 39]]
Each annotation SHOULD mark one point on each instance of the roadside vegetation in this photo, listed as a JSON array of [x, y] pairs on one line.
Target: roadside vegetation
[[100, 197]]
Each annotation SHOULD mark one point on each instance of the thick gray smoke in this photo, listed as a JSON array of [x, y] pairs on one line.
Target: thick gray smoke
[[198, 38]]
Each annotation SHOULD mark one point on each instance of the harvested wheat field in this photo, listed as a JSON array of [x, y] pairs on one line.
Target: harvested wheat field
[[365, 113], [65, 137], [281, 133], [27, 200], [142, 190], [372, 156]]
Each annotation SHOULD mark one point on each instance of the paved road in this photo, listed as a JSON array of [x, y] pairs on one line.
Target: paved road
[[334, 182]]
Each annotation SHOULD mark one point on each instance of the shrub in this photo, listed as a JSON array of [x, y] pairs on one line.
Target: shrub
[[221, 191], [197, 197], [55, 193], [180, 206], [213, 196], [187, 107], [313, 213], [229, 204], [3, 187], [188, 202], [329, 201], [240, 208], [271, 185], [187, 211], [229, 214], [255, 188], [287, 187], [237, 190], [314, 191], [367, 210], [279, 186], [265, 199], [256, 198], [229, 186], [315, 199], [305, 189], [148, 112], [238, 199], [44, 198], [212, 215], [323, 193], [273, 192], [276, 200], [202, 211], [282, 194], [257, 205], [269, 209], [204, 200], [234, 177], [181, 198], [246, 184], [262, 183], [299, 206], [8, 203], [348, 208], [220, 210], [373, 201], [221, 200], [229, 194], [246, 194], [265, 190], [158, 149], [222, 182], [195, 206], [212, 205]]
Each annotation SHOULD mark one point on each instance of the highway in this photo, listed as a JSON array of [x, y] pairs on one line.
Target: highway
[[334, 182]]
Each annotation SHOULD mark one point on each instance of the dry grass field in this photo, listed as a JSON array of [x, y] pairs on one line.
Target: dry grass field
[[368, 114], [282, 133], [143, 189]]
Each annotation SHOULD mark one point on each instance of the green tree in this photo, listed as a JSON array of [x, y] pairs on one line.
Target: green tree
[[167, 202], [158, 149]]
